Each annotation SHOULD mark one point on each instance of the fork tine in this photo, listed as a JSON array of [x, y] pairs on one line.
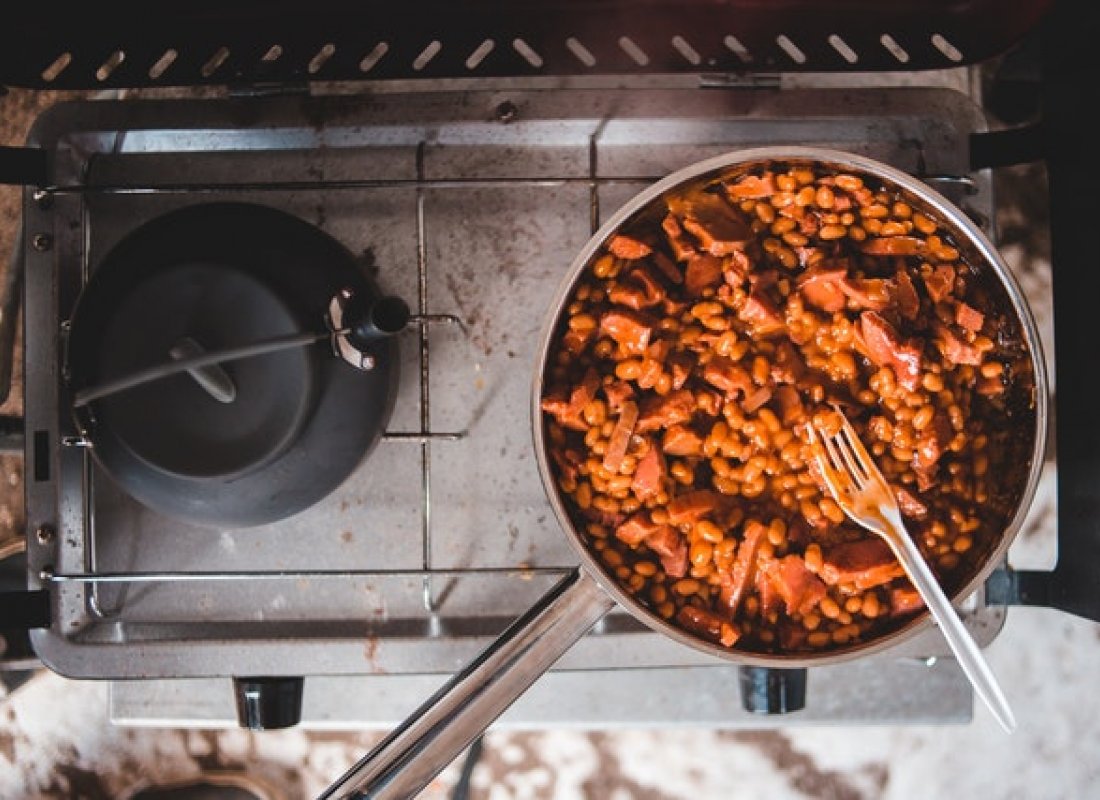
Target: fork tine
[[837, 478], [859, 475], [869, 468]]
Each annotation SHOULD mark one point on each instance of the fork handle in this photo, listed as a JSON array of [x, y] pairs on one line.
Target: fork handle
[[962, 644]]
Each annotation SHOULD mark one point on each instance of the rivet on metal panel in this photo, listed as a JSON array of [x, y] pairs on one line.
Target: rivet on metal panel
[[46, 573], [43, 199], [506, 111], [44, 534], [42, 242], [274, 53]]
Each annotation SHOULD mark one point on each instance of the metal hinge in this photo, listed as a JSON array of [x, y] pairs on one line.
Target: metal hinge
[[24, 166], [1007, 587], [24, 610], [1008, 146]]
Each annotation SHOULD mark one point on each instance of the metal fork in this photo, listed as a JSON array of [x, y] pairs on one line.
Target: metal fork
[[860, 489]]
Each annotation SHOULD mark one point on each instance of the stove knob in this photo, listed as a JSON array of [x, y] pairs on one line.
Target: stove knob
[[265, 704], [770, 690]]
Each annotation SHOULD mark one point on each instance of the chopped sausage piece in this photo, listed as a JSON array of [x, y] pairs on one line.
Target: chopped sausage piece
[[703, 271], [629, 328], [909, 504], [766, 591], [905, 600], [790, 405], [885, 348], [863, 563], [787, 366], [930, 446], [752, 187], [667, 268], [761, 314], [635, 530], [681, 245], [725, 374], [662, 412], [738, 268], [620, 437], [821, 287], [617, 393], [650, 474], [876, 294], [628, 247], [640, 289], [955, 349], [758, 398], [680, 440], [669, 544], [693, 506], [742, 572], [708, 402], [569, 413], [719, 227], [893, 246], [680, 365], [799, 588], [908, 299], [576, 341], [966, 316], [940, 283]]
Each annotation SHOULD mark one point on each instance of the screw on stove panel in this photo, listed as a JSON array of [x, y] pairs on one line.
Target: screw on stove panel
[[42, 242]]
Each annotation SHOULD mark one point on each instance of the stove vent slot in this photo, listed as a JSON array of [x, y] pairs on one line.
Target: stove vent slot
[[790, 48], [737, 48], [161, 65], [528, 53], [56, 67], [41, 456], [427, 54], [322, 57], [479, 54], [631, 49], [841, 46], [371, 59], [583, 54], [940, 43], [110, 65], [690, 54], [214, 63], [894, 49]]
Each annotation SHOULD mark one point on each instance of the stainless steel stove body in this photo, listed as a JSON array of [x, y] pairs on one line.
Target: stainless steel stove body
[[470, 204]]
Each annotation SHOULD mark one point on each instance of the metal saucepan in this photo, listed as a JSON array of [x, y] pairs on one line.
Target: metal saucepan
[[254, 439], [436, 733]]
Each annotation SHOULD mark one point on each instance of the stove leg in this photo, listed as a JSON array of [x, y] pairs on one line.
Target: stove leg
[[265, 704], [767, 690]]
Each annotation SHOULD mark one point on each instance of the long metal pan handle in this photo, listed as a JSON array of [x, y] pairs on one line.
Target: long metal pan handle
[[434, 735]]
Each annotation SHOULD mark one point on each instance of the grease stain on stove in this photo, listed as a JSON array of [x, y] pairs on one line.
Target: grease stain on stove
[[346, 537]]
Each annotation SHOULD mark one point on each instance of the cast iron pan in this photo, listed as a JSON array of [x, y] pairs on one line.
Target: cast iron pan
[[226, 275]]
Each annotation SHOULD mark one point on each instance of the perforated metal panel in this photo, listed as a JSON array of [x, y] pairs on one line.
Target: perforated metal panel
[[138, 45]]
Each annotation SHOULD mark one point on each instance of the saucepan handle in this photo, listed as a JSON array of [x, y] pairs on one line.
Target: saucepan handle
[[407, 760]]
